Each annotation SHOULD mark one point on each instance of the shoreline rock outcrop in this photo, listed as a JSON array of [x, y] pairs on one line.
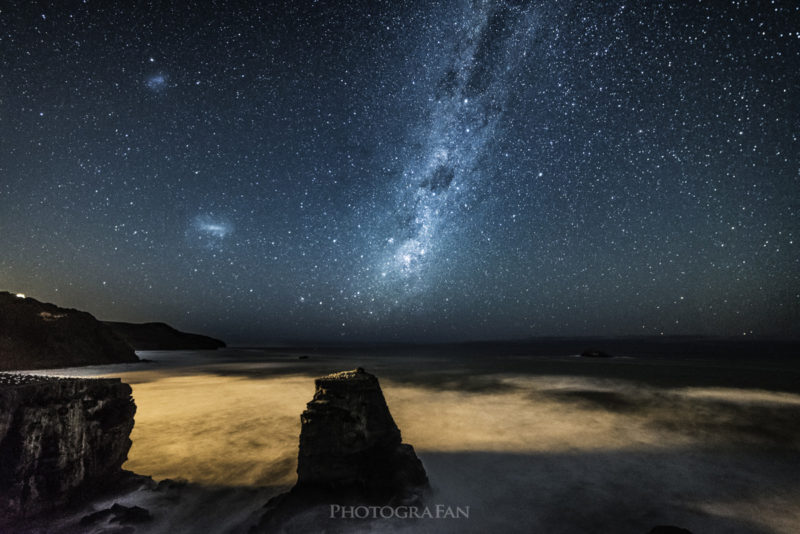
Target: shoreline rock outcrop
[[61, 440], [38, 335], [351, 452], [349, 439]]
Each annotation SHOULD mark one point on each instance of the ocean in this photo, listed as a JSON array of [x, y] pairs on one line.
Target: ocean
[[526, 442]]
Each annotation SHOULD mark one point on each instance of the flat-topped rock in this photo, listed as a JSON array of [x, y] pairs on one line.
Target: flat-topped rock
[[60, 438], [351, 451], [347, 379], [8, 380], [349, 439]]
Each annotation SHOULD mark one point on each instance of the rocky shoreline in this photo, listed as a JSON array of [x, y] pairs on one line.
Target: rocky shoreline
[[62, 440]]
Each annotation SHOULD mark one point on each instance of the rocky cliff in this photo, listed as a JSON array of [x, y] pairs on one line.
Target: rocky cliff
[[348, 439], [60, 439], [37, 335], [351, 452], [161, 336]]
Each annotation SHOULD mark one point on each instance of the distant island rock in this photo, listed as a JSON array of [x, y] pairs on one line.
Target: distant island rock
[[351, 452], [61, 440], [594, 353], [38, 335], [161, 336]]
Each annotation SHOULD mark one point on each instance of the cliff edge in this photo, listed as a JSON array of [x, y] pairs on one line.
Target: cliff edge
[[61, 439], [38, 335]]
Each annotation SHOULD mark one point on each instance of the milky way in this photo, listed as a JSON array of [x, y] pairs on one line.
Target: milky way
[[398, 170], [467, 104]]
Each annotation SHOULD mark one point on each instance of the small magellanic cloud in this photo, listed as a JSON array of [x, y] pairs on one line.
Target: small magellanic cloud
[[157, 82]]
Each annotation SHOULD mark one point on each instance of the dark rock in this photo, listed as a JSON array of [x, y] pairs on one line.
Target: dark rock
[[591, 353], [123, 515], [95, 517], [61, 439], [161, 336], [37, 335], [171, 484], [118, 530], [351, 451], [127, 515], [349, 439], [668, 529]]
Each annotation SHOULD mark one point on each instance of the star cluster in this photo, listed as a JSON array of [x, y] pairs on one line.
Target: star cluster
[[399, 170]]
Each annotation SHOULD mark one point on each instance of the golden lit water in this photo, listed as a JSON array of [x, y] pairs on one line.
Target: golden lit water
[[714, 455]]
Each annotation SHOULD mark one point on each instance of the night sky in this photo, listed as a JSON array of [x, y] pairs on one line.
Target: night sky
[[398, 170]]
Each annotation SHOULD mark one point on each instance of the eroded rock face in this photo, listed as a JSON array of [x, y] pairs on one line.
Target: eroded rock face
[[60, 437], [348, 439], [351, 452], [38, 335]]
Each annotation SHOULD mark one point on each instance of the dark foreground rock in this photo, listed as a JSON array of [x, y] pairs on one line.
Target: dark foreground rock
[[122, 515], [668, 529], [351, 453], [37, 335], [61, 440], [348, 439], [161, 336]]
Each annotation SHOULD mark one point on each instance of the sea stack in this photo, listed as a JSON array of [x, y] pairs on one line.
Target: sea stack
[[60, 439], [348, 440], [351, 451]]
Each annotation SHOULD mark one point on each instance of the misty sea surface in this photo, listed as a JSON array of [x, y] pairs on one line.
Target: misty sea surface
[[552, 444]]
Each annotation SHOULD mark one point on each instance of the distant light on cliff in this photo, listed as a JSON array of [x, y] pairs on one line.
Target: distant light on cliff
[[21, 295]]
